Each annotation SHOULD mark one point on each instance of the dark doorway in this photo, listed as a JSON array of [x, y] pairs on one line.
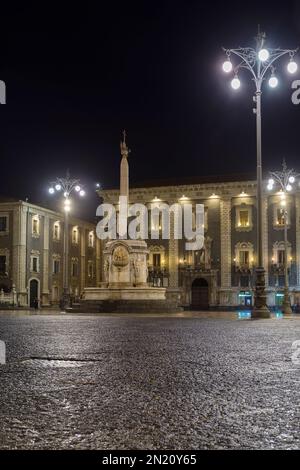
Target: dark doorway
[[34, 291], [200, 294]]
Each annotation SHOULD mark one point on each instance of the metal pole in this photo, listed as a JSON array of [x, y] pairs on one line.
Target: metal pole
[[260, 303], [66, 260], [287, 310]]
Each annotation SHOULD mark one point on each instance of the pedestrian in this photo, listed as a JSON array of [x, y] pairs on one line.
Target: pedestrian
[[36, 304]]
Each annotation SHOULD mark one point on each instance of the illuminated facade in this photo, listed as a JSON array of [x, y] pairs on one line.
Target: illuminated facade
[[221, 274], [32, 253]]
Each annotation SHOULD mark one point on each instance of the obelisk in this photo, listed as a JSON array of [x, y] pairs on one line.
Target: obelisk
[[124, 169]]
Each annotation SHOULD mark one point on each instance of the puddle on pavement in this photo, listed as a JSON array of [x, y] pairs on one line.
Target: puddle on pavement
[[57, 363]]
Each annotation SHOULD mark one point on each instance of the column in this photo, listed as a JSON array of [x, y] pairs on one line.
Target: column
[[173, 255], [226, 258]]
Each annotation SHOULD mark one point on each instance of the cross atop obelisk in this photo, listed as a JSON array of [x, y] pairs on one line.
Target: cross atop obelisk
[[124, 169]]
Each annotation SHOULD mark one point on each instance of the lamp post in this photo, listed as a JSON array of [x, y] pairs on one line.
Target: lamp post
[[259, 62], [66, 186], [284, 180]]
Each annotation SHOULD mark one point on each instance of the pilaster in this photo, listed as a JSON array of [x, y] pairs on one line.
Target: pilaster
[[225, 224], [82, 259], [45, 287], [173, 255], [19, 252]]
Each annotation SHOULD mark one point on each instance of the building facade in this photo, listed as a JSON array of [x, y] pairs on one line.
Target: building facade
[[32, 255], [222, 273]]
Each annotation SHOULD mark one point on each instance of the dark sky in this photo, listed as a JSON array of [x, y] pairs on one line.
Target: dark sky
[[77, 75]]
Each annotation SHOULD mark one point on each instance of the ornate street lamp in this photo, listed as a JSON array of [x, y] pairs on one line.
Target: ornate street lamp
[[66, 186], [260, 63], [284, 181]]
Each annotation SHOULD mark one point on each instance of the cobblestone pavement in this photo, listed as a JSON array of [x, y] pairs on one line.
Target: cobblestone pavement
[[166, 382]]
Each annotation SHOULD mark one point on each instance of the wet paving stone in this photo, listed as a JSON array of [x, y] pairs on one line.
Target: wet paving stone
[[149, 382]]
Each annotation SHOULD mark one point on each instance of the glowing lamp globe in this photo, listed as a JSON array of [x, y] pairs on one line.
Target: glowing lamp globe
[[51, 190], [292, 179], [263, 55], [227, 66], [58, 187], [77, 188], [81, 192], [292, 66], [273, 82], [289, 187], [235, 83]]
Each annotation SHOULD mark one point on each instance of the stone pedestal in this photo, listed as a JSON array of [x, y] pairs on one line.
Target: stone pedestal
[[125, 263], [125, 288]]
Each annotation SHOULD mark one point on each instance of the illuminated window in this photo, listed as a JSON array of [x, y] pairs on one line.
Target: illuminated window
[[244, 257], [280, 217], [156, 260], [56, 231], [243, 218], [75, 235], [91, 239], [35, 226]]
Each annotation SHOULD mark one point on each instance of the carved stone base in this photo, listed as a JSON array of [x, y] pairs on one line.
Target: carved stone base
[[260, 309]]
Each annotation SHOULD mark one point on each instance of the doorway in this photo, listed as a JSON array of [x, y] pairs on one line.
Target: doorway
[[33, 291], [200, 294]]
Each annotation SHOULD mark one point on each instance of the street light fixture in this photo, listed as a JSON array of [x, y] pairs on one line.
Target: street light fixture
[[259, 62], [284, 180], [67, 186]]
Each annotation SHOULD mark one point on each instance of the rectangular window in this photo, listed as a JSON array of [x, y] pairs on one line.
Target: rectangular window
[[75, 235], [244, 218], [280, 256], [56, 266], [244, 258], [35, 226], [156, 260], [280, 217], [56, 232], [34, 264], [3, 224], [2, 265], [74, 269], [91, 239]]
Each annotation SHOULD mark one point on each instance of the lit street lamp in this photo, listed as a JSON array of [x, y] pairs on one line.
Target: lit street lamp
[[284, 180], [66, 186], [259, 62]]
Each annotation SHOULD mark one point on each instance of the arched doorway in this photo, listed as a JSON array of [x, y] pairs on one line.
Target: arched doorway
[[33, 291], [200, 294]]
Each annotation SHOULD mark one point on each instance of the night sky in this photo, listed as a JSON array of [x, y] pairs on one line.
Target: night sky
[[77, 76]]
